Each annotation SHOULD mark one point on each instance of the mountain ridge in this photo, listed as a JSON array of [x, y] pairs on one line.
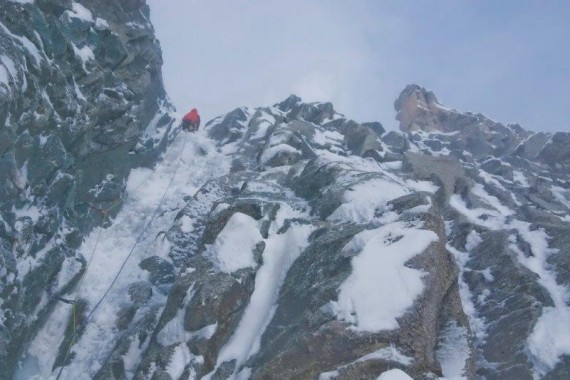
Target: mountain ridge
[[286, 240]]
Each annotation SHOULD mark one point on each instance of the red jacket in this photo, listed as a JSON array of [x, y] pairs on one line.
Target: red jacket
[[192, 117]]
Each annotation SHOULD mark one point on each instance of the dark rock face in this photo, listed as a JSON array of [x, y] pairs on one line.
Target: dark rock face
[[81, 103]]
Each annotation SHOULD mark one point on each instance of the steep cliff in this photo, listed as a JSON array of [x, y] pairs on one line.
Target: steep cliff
[[81, 103]]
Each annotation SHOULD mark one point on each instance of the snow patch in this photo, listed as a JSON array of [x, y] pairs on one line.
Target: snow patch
[[520, 178], [79, 12], [85, 54], [233, 248], [550, 338], [281, 251], [362, 199], [394, 374], [186, 224], [381, 266]]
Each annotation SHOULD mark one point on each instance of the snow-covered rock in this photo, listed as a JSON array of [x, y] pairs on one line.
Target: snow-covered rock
[[286, 240]]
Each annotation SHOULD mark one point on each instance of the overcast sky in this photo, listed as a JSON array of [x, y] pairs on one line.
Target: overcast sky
[[507, 59]]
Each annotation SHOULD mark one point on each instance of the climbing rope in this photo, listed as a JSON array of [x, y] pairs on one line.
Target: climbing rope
[[74, 304], [139, 238], [137, 241]]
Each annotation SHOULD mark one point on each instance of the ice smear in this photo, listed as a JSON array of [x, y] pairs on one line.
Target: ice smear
[[380, 265], [233, 248], [453, 351], [132, 358], [89, 353], [281, 251], [477, 323]]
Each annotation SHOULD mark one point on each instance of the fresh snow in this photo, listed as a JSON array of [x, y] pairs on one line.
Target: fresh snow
[[362, 199], [233, 248], [281, 251], [80, 12], [381, 266], [394, 374]]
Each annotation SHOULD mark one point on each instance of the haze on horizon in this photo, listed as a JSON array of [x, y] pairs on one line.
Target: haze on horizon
[[508, 59]]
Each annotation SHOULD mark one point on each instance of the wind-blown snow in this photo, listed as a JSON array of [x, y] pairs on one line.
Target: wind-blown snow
[[381, 266], [280, 253], [562, 195], [26, 44], [549, 340], [233, 248]]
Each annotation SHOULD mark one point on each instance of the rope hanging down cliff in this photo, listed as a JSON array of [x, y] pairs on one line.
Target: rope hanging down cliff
[[137, 241]]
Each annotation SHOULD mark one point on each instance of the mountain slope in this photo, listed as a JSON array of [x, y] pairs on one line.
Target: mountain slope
[[276, 242]]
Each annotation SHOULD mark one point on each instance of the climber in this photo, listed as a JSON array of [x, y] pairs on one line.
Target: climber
[[191, 121]]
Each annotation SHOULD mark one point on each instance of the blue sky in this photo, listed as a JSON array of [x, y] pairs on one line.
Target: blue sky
[[508, 59]]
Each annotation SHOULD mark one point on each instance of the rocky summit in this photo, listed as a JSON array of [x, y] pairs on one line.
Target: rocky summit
[[282, 242]]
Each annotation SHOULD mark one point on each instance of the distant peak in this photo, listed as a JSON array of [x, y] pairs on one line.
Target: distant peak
[[289, 103], [419, 109], [415, 91]]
